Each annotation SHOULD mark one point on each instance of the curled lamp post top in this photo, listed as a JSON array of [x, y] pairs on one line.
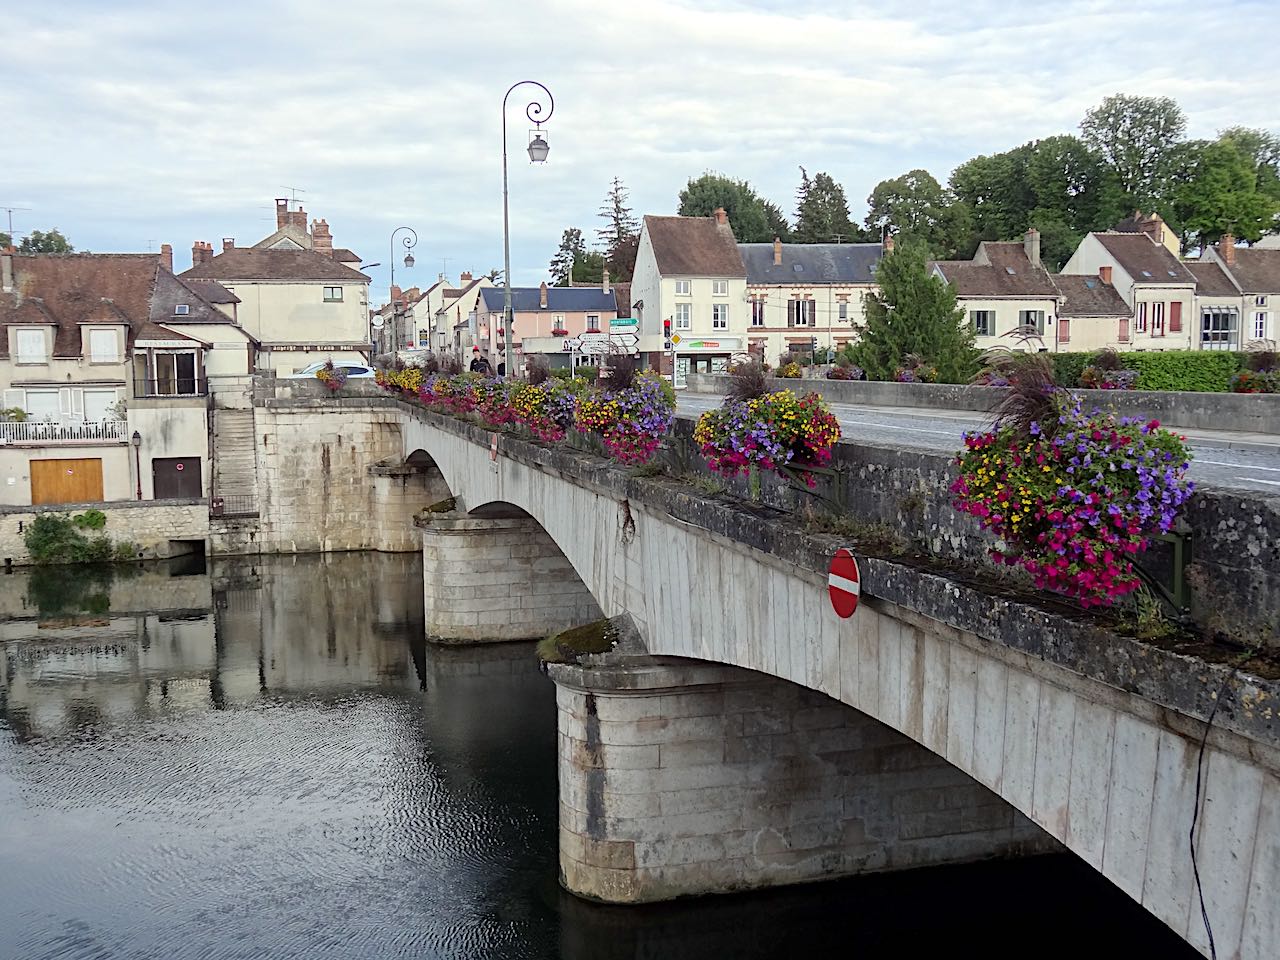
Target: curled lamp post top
[[536, 111]]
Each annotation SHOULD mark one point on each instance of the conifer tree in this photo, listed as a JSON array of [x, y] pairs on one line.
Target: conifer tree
[[913, 312]]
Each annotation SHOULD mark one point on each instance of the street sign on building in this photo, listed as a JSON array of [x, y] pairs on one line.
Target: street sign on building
[[593, 343], [844, 583]]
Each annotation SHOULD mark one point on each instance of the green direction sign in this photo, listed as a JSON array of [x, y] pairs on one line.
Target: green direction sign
[[623, 322]]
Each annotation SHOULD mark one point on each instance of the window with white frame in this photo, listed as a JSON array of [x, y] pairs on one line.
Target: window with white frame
[[1157, 319], [984, 322], [1260, 301], [844, 310], [757, 311], [31, 346], [684, 314], [1260, 325], [593, 323], [719, 316], [42, 404], [800, 313], [682, 288], [181, 309], [1218, 327], [719, 288], [100, 405], [1032, 318], [332, 294], [103, 346], [1141, 325]]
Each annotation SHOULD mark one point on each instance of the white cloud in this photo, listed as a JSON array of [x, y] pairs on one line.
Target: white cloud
[[137, 122]]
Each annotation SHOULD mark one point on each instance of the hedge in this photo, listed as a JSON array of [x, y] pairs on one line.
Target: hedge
[[1196, 371]]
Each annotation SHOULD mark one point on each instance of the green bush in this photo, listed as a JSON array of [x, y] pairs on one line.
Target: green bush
[[587, 372], [1067, 368], [90, 520], [1197, 371], [57, 538]]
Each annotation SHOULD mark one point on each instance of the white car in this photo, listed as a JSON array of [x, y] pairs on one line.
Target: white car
[[353, 370]]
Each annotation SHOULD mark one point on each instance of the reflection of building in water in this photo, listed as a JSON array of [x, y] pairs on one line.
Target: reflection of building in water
[[268, 625]]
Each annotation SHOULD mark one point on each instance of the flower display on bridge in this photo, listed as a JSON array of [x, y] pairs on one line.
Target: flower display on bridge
[[631, 421], [772, 431], [1074, 499], [333, 378]]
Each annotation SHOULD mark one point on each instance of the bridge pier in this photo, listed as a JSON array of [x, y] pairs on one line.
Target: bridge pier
[[679, 778], [496, 578]]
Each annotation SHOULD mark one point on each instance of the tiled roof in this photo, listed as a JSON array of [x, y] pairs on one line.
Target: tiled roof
[[559, 299], [1143, 259], [694, 247], [252, 263], [343, 255], [809, 263], [1088, 296], [170, 291], [1256, 270], [69, 289], [150, 330], [998, 270], [1211, 281], [211, 290]]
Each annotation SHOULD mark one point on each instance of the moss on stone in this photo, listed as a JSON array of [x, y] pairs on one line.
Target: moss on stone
[[441, 506], [570, 646]]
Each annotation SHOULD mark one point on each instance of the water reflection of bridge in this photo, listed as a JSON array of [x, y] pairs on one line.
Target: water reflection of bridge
[[163, 638]]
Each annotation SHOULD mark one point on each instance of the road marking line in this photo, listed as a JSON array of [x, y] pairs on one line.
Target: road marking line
[[1274, 483], [1238, 466]]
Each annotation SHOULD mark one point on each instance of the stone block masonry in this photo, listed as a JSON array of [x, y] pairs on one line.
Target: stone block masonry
[[497, 579], [679, 779], [151, 524]]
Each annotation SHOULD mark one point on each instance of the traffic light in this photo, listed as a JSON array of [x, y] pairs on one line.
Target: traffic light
[[666, 335], [813, 344]]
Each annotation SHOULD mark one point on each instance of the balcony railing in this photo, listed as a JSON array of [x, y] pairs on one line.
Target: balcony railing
[[181, 387], [64, 431], [235, 505]]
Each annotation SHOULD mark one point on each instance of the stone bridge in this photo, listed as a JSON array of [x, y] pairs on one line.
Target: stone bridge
[[743, 736]]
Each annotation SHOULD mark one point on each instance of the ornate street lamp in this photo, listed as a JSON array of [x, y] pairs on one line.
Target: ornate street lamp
[[136, 440], [538, 150], [409, 242]]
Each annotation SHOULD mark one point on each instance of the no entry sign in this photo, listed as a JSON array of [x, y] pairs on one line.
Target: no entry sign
[[843, 583]]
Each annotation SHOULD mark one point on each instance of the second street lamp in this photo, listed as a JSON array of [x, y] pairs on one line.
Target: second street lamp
[[410, 241], [538, 150]]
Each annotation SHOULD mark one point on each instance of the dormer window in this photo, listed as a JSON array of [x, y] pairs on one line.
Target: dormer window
[[181, 309], [103, 347], [1146, 273], [32, 346]]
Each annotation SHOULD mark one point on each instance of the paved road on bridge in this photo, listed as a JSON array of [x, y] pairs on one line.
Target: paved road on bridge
[[1222, 459]]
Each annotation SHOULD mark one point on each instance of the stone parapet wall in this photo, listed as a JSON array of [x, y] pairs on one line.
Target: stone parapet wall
[[497, 579], [151, 524], [679, 779], [1242, 412]]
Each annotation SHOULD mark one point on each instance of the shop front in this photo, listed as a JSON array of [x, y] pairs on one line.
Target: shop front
[[703, 356]]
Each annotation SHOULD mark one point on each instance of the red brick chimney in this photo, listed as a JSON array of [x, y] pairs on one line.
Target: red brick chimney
[[542, 295], [1104, 274], [396, 295], [777, 251], [228, 243], [1227, 247], [321, 239], [201, 252], [282, 213], [722, 217], [465, 278], [604, 282], [166, 256]]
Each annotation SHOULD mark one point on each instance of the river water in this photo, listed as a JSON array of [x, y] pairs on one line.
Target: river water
[[263, 760]]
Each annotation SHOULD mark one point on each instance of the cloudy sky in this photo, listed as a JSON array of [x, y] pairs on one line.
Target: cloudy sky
[[128, 124]]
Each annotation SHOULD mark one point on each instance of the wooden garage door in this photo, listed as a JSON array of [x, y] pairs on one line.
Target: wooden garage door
[[66, 481]]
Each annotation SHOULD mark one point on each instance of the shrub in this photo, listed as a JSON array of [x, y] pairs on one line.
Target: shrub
[[90, 520], [587, 372], [789, 371], [1251, 381], [747, 381], [1201, 371], [57, 538], [1102, 378], [1067, 368]]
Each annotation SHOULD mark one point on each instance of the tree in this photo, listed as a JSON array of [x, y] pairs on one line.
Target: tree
[[620, 223], [494, 275], [40, 242], [621, 260], [1219, 194], [913, 312], [1137, 136], [749, 215], [915, 206], [572, 250], [6, 241], [822, 212], [1263, 150], [778, 225]]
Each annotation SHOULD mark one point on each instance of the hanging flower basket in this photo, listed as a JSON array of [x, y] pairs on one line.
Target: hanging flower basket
[[630, 422], [1074, 504], [333, 378], [776, 431]]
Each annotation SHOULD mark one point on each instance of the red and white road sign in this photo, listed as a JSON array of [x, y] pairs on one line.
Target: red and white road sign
[[843, 583]]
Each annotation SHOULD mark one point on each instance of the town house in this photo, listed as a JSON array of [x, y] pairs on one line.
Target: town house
[[1255, 274], [545, 319]]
